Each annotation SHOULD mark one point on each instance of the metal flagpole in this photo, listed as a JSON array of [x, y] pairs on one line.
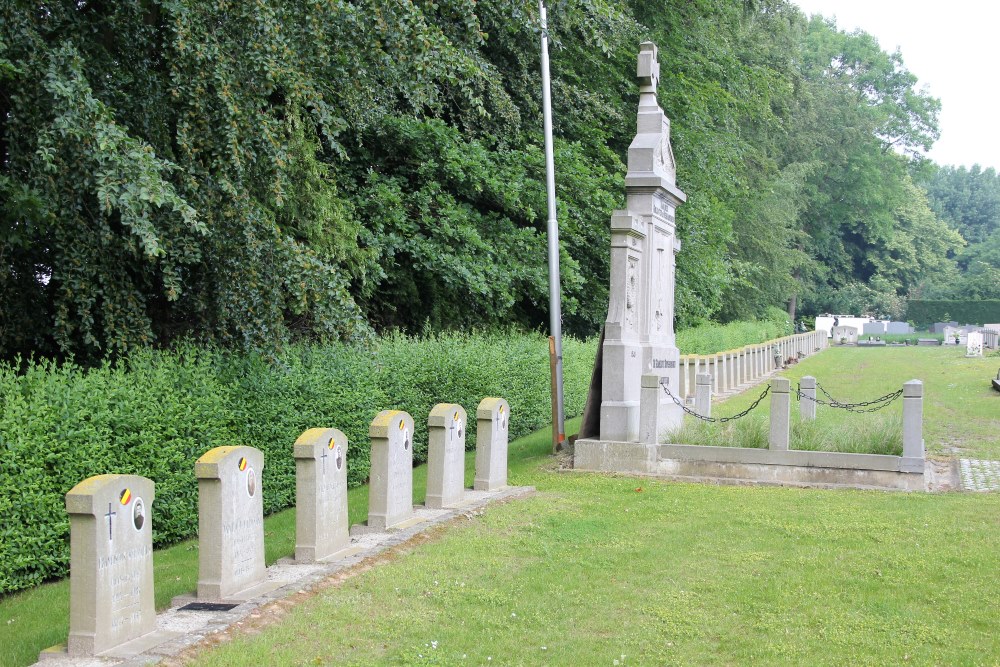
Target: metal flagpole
[[555, 310]]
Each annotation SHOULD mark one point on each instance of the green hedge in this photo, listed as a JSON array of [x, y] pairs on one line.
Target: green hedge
[[156, 412], [925, 313], [713, 338]]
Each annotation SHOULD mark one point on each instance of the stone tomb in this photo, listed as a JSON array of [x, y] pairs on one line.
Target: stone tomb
[[446, 426], [111, 563], [321, 524], [390, 486], [492, 427], [230, 524], [844, 334]]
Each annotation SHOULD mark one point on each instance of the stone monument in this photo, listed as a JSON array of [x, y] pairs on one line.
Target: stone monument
[[974, 344], [390, 487], [321, 524], [230, 523], [639, 331], [492, 426], [111, 563], [446, 427]]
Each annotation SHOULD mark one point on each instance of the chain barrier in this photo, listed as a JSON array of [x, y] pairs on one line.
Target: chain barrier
[[720, 420], [877, 404]]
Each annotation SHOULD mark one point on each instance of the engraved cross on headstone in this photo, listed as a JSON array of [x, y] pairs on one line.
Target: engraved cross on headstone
[[109, 516], [323, 456]]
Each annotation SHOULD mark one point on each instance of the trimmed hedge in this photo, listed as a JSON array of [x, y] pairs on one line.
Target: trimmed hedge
[[156, 412], [925, 313], [713, 338]]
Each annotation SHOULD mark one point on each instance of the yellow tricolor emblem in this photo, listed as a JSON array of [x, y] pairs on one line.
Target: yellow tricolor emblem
[[126, 496], [243, 463]]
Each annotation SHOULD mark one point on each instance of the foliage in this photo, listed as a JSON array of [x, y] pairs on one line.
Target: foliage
[[253, 174], [712, 338], [925, 313], [154, 413]]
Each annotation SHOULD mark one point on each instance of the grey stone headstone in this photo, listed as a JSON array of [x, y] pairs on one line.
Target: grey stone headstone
[[321, 523], [898, 328], [390, 487], [446, 427], [492, 428], [111, 562], [873, 328], [230, 521]]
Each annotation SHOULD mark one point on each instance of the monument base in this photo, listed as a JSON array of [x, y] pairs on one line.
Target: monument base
[[738, 465], [365, 529], [129, 649]]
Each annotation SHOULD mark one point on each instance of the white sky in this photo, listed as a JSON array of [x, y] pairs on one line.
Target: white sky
[[951, 48]]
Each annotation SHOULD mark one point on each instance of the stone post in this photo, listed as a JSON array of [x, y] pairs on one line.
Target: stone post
[[446, 426], [913, 426], [230, 521], [390, 486], [703, 395], [111, 563], [492, 428], [807, 402], [321, 523], [780, 414], [653, 422]]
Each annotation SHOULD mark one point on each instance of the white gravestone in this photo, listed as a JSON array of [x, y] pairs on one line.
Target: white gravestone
[[974, 344], [111, 563], [321, 524], [492, 427], [390, 488], [230, 522], [446, 426], [639, 331], [844, 334]]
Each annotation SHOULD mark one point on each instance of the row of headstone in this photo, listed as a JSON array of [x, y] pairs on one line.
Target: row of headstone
[[111, 539], [881, 327]]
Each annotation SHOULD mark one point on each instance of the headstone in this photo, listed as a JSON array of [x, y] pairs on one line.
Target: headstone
[[639, 331], [492, 428], [321, 523], [974, 344], [111, 563], [876, 328], [390, 487], [939, 327], [844, 335], [446, 426], [230, 522], [898, 328], [955, 335]]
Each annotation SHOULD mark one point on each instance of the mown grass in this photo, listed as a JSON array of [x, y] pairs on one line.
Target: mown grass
[[595, 568]]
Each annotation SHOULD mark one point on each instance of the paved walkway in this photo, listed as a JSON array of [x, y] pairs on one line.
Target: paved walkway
[[979, 475]]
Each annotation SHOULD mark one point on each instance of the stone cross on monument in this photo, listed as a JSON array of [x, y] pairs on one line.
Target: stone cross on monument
[[639, 332]]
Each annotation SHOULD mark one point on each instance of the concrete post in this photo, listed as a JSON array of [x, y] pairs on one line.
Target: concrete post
[[703, 395], [682, 385], [780, 414], [807, 407], [723, 373], [657, 412], [913, 426]]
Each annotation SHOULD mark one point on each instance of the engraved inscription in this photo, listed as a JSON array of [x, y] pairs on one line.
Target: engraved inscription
[[664, 363]]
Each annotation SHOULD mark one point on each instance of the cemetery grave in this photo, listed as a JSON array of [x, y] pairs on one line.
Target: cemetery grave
[[112, 614]]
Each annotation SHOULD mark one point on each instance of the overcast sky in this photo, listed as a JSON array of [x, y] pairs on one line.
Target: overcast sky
[[951, 48]]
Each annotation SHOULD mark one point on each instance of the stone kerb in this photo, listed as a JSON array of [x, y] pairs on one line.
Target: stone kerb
[[230, 522], [390, 487], [492, 433], [780, 414], [111, 562], [321, 523], [446, 427]]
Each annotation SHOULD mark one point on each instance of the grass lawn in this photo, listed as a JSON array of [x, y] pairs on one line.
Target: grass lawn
[[595, 568]]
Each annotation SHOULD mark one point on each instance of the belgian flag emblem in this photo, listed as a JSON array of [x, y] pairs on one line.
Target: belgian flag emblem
[[125, 497], [243, 463]]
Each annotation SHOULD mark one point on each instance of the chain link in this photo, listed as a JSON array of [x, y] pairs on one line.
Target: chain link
[[878, 403], [720, 420]]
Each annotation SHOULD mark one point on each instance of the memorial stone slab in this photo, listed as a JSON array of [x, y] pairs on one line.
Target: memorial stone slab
[[390, 488], [446, 426], [321, 523], [845, 334], [974, 344], [111, 563], [230, 522], [492, 428], [898, 328]]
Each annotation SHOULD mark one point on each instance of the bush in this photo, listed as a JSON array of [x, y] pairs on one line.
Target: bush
[[156, 412], [713, 338], [926, 313]]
